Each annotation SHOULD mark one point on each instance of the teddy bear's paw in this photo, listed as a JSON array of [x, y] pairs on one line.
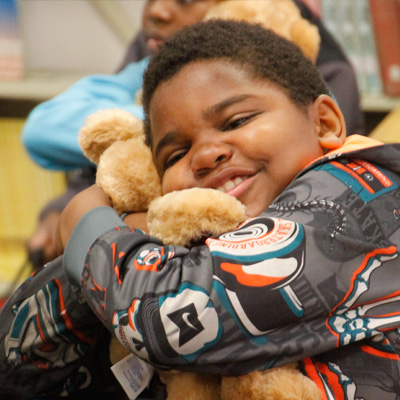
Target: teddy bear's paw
[[105, 127], [183, 217]]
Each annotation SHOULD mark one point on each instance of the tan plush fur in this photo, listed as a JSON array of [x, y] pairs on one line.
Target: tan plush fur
[[139, 183], [282, 16], [105, 127], [190, 386], [184, 217], [280, 383], [126, 171]]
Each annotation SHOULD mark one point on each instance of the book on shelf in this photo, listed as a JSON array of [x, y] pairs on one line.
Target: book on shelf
[[11, 54], [368, 64], [349, 22], [385, 15]]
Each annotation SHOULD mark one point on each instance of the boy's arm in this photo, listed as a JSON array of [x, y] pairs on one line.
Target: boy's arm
[[50, 134], [85, 201]]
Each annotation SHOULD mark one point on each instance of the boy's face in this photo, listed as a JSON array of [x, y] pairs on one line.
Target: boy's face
[[215, 126], [162, 18]]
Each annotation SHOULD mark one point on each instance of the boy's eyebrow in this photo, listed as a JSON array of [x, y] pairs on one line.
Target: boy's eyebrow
[[216, 108], [166, 140]]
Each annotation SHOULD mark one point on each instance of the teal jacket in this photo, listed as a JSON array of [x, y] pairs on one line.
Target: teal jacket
[[92, 93]]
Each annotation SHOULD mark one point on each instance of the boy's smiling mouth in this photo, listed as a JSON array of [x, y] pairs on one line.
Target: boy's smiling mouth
[[237, 186], [232, 180], [232, 184]]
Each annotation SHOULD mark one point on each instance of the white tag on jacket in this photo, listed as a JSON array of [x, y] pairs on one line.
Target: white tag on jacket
[[133, 374]]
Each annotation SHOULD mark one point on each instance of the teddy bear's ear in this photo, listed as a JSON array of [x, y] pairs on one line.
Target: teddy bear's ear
[[105, 127]]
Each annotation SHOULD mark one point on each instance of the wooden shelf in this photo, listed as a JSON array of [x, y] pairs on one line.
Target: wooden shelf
[[378, 103], [40, 86]]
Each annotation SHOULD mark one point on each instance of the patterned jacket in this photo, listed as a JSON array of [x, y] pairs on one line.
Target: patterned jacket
[[315, 279]]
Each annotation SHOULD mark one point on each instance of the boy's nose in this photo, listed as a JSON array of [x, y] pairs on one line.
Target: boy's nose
[[209, 156], [160, 10]]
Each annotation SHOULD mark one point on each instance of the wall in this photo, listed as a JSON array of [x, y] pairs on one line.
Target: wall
[[71, 35]]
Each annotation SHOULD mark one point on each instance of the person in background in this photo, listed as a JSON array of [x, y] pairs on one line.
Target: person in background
[[66, 113], [51, 130], [41, 244], [244, 112]]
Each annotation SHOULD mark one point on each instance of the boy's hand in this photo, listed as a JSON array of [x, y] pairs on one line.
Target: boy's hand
[[83, 202]]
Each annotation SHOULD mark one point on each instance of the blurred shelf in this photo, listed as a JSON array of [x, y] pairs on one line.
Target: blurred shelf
[[378, 103], [38, 86]]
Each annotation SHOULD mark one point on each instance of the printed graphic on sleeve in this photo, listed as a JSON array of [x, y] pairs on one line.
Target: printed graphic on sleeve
[[127, 331], [351, 322], [380, 346], [43, 332], [365, 179], [257, 263], [330, 379], [190, 321], [153, 260]]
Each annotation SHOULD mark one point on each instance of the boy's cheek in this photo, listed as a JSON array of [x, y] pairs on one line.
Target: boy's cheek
[[173, 180]]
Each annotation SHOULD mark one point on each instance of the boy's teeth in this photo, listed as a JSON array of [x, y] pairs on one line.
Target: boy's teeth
[[231, 184]]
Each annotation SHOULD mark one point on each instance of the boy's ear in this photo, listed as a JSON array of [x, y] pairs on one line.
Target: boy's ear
[[331, 127]]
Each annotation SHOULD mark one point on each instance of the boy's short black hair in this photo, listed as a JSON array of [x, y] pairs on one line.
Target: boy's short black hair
[[262, 52]]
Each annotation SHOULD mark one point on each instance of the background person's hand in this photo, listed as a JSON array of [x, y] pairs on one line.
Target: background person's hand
[[41, 246]]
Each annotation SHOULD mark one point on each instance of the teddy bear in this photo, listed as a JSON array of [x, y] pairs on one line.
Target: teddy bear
[[114, 140], [281, 16]]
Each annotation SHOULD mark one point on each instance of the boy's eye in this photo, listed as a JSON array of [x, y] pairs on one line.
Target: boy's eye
[[187, 1], [236, 123], [173, 159]]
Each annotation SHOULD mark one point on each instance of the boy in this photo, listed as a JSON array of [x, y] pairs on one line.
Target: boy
[[312, 275]]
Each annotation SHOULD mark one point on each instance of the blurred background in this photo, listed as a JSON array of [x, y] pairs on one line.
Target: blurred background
[[46, 46]]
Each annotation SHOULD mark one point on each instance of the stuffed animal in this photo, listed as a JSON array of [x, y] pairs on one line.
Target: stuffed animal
[[282, 16], [114, 140]]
